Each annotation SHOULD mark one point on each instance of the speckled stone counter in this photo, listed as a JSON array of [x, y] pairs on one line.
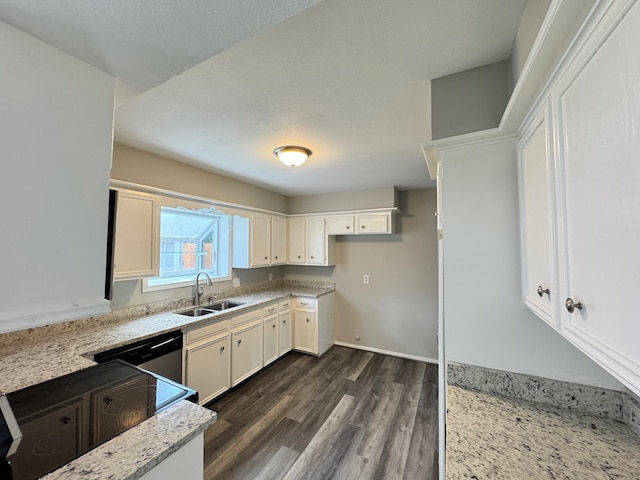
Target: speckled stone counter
[[31, 356], [492, 437]]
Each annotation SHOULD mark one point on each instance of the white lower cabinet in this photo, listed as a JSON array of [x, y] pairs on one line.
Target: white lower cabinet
[[285, 330], [207, 361], [313, 324], [246, 351], [270, 349]]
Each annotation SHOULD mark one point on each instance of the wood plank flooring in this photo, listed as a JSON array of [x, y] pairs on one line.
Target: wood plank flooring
[[349, 414]]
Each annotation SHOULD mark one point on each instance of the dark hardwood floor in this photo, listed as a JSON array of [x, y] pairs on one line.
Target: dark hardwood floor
[[349, 414]]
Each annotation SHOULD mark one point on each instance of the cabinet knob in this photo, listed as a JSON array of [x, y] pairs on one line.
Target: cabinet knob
[[276, 257], [542, 291], [312, 257], [348, 227], [222, 348], [108, 400], [307, 319], [362, 226], [299, 256], [239, 341], [274, 325], [266, 258], [571, 305], [284, 321], [66, 420]]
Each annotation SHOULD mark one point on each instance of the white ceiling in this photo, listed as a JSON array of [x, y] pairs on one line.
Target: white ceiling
[[220, 83]]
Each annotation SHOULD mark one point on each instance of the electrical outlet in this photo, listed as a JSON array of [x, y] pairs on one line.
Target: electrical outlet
[[365, 279], [236, 282], [270, 276]]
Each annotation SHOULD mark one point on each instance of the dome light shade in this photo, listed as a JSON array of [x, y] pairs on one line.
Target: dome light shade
[[292, 156]]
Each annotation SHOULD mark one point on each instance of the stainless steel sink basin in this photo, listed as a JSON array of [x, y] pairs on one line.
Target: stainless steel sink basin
[[223, 305], [209, 309], [196, 312]]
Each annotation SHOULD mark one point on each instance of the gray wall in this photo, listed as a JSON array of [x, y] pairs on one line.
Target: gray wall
[[469, 101], [486, 322], [56, 121], [382, 197], [137, 166], [398, 310], [530, 22]]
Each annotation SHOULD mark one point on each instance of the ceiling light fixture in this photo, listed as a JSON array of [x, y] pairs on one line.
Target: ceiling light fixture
[[292, 156]]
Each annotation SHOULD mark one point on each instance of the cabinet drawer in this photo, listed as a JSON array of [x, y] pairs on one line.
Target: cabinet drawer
[[270, 310], [285, 305], [246, 318], [307, 303], [216, 328]]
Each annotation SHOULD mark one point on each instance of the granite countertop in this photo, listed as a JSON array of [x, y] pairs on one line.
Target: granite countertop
[[489, 436], [35, 355]]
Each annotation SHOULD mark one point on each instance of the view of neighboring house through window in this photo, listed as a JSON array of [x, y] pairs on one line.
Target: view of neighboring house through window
[[190, 241]]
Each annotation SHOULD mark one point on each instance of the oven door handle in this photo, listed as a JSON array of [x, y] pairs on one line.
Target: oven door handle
[[161, 344]]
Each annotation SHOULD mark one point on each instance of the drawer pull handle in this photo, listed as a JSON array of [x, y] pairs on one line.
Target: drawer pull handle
[[571, 306], [542, 291]]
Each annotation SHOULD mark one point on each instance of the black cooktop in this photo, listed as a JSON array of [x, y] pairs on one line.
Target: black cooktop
[[66, 417]]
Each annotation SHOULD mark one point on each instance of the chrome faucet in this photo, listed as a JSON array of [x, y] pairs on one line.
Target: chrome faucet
[[200, 288]]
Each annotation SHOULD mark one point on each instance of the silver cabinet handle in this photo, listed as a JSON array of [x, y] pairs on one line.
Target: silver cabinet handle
[[542, 291], [571, 305]]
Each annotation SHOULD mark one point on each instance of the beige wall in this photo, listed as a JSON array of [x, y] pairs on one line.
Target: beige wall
[[137, 166], [382, 197], [397, 311]]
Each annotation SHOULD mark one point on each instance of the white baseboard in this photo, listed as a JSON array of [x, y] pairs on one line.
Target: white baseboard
[[388, 352]]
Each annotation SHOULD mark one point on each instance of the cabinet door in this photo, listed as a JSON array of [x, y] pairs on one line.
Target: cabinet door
[[286, 329], [316, 241], [278, 240], [207, 368], [296, 240], [534, 162], [246, 352], [137, 236], [598, 107], [260, 240], [373, 223], [340, 225], [270, 345], [305, 331], [50, 439]]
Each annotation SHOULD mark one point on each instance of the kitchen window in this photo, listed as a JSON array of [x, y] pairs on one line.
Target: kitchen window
[[191, 241]]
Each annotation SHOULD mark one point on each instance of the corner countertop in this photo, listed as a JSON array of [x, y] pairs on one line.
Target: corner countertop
[[36, 355], [489, 436]]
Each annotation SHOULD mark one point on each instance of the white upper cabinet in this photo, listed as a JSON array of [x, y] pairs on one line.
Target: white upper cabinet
[[597, 104], [595, 200], [308, 243], [278, 240], [251, 241], [536, 203], [137, 236], [296, 241], [362, 223]]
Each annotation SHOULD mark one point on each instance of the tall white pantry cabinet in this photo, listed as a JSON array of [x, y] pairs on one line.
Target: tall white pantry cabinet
[[579, 160]]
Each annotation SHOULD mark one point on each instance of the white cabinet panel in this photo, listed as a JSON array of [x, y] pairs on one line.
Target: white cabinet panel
[[597, 104], [207, 368], [246, 352], [536, 202], [270, 345], [296, 241], [340, 225], [374, 223], [251, 241], [316, 241], [305, 331], [278, 240], [137, 236], [285, 332]]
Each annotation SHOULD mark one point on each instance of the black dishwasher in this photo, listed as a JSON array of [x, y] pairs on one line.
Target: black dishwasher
[[161, 355]]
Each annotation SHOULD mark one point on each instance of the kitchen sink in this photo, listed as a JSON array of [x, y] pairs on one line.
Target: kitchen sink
[[209, 309]]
